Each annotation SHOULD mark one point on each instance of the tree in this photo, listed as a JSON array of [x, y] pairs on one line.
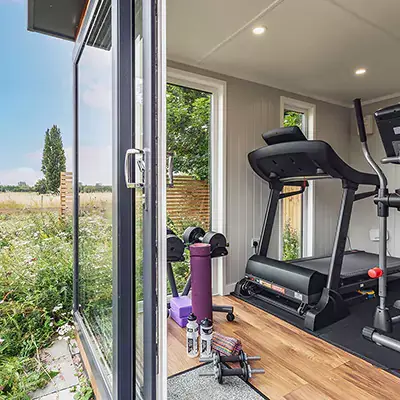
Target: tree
[[293, 118], [53, 160], [188, 130], [40, 186]]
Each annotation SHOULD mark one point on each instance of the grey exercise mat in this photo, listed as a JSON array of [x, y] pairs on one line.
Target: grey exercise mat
[[189, 385]]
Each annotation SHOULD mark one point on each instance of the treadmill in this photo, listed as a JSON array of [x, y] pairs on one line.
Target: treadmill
[[319, 290]]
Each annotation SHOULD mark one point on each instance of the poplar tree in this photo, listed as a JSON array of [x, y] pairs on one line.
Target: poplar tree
[[53, 160]]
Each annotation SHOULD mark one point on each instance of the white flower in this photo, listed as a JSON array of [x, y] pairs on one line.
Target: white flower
[[1, 340], [57, 308]]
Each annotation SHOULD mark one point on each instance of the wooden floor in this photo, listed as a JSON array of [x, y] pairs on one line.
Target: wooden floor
[[298, 366]]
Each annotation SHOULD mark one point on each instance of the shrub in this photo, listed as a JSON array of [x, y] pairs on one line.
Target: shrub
[[291, 243]]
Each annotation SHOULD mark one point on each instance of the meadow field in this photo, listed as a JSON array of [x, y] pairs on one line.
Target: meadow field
[[36, 275], [10, 201]]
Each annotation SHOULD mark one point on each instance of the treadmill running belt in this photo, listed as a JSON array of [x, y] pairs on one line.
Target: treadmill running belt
[[355, 263]]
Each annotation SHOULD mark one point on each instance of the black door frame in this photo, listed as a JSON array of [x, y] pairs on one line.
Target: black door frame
[[124, 307]]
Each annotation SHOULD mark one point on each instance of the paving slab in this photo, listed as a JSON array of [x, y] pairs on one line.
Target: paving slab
[[58, 358]]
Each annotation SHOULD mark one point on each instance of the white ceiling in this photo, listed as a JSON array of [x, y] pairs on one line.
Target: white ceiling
[[310, 47]]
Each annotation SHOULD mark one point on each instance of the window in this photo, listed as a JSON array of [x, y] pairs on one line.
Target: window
[[94, 71], [296, 212], [188, 143], [213, 91]]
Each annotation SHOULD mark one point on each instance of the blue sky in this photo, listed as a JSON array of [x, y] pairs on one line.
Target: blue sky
[[35, 93]]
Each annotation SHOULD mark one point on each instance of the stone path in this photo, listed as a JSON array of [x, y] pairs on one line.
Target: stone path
[[60, 357]]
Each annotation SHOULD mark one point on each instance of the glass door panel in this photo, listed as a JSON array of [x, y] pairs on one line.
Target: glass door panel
[[138, 140], [94, 71]]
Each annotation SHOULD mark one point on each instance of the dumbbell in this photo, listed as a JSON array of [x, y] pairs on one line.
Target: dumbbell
[[175, 247], [218, 359], [245, 372], [217, 241]]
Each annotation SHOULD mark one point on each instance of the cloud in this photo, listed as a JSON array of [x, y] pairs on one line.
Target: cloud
[[13, 176], [95, 78], [95, 164]]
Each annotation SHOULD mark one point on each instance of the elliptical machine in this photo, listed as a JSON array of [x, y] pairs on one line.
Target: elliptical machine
[[388, 121]]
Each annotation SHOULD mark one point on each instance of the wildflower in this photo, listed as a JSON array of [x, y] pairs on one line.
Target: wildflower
[[57, 308]]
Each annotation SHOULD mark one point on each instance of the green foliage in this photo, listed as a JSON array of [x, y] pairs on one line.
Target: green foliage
[[16, 188], [188, 130], [291, 243], [35, 296], [40, 186], [84, 391], [95, 276], [293, 118], [97, 188], [53, 160], [20, 376]]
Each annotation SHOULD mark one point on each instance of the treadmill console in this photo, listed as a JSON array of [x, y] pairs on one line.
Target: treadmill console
[[282, 135], [388, 122]]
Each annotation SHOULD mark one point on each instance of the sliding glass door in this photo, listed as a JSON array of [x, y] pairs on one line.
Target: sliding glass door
[[95, 193], [115, 192]]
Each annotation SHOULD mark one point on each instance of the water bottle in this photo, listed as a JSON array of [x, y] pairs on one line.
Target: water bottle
[[206, 334], [192, 334]]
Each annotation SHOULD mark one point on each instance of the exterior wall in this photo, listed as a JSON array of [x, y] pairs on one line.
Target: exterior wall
[[364, 216], [251, 110]]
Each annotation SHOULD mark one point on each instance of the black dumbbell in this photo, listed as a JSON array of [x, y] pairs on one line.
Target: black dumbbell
[[245, 372], [175, 247], [241, 357], [217, 241]]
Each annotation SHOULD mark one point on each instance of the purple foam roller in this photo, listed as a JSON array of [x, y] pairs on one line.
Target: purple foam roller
[[200, 269]]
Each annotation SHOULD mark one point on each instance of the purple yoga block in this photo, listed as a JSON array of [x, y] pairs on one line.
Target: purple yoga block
[[181, 321], [182, 306], [200, 269]]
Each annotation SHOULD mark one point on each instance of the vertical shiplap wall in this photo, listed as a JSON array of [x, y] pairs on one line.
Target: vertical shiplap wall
[[251, 110], [364, 216]]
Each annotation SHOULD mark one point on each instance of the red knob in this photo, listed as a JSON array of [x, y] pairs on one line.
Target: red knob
[[375, 273]]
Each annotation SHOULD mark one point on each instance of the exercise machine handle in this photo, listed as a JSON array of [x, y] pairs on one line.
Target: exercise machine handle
[[360, 120], [364, 145]]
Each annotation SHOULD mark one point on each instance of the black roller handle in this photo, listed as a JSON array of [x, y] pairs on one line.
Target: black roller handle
[[234, 358], [360, 120], [233, 371]]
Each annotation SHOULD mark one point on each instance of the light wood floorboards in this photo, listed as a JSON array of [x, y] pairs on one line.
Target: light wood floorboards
[[298, 366]]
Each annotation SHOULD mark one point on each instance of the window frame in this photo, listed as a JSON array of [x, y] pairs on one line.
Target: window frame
[[308, 203], [217, 88]]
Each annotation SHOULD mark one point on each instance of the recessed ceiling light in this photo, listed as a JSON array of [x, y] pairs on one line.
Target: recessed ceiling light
[[360, 71], [259, 30]]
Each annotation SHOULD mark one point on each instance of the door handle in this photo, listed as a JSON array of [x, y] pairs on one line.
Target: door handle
[[140, 165], [170, 183]]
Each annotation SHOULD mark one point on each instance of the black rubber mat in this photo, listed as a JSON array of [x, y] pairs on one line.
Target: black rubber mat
[[346, 333]]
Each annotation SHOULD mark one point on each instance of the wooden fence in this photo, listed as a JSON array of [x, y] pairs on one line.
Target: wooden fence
[[292, 210], [189, 201], [66, 195]]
